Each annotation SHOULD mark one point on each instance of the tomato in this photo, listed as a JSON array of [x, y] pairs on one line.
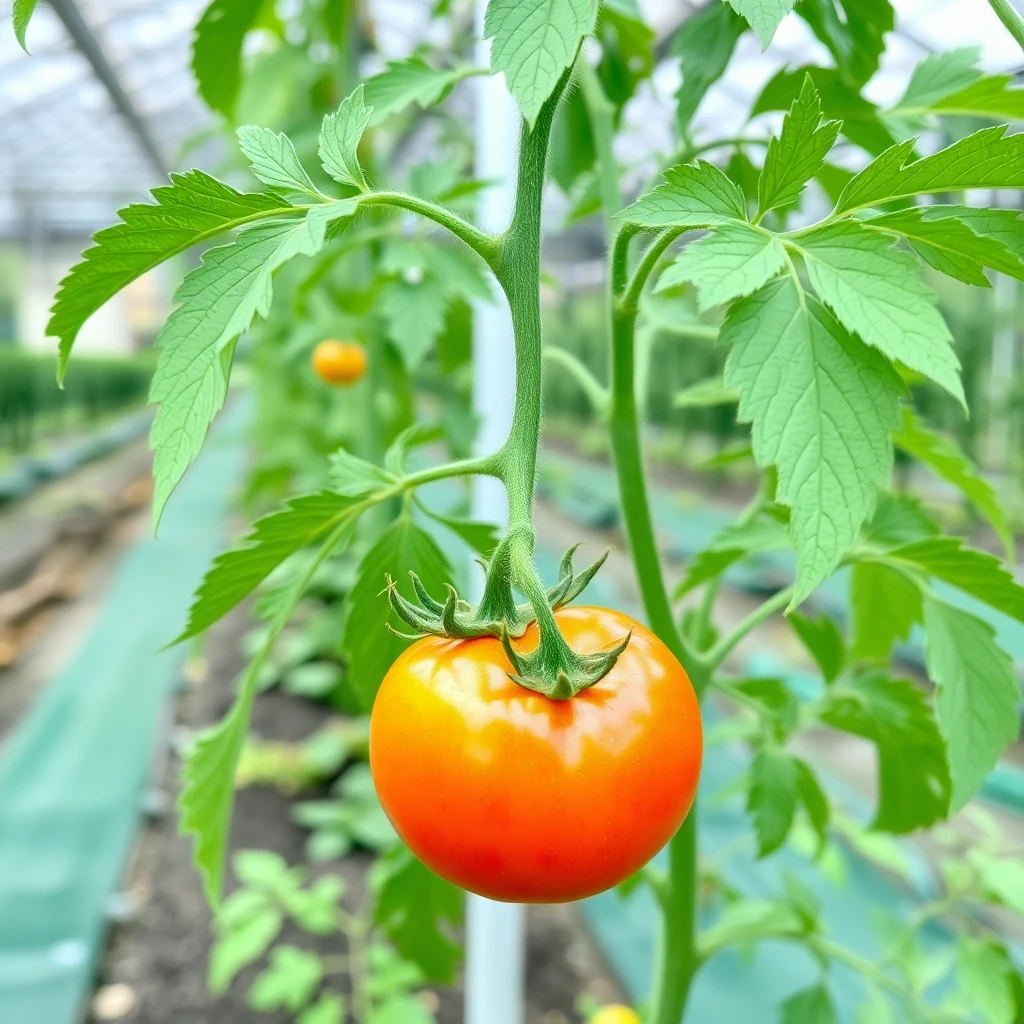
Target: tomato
[[615, 1014], [339, 362], [517, 797]]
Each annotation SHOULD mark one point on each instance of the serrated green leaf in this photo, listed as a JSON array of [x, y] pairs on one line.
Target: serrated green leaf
[[415, 315], [939, 75], [371, 647], [940, 454], [419, 912], [693, 196], [217, 51], [191, 210], [533, 42], [773, 797], [984, 974], [275, 162], [797, 154], [885, 604], [814, 802], [899, 519], [21, 15], [976, 572], [977, 693], [894, 714], [993, 96], [290, 981], [328, 1009], [408, 81], [704, 44], [216, 303], [987, 159], [809, 1006], [236, 573], [340, 134], [823, 640], [948, 243], [731, 545], [207, 790], [354, 477], [763, 16], [853, 30], [822, 408], [877, 293], [730, 261], [242, 944]]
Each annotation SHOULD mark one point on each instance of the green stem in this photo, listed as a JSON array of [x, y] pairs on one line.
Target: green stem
[[676, 958], [1011, 18], [627, 302], [596, 394], [488, 247], [761, 613]]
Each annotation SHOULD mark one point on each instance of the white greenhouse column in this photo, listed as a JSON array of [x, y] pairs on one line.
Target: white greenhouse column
[[495, 963]]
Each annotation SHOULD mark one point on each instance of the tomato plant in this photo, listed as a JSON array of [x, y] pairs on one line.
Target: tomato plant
[[814, 255], [613, 770]]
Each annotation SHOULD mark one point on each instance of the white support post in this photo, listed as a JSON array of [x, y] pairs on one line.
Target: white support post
[[495, 954]]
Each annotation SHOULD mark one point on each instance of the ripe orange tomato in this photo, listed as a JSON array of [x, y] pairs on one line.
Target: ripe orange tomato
[[339, 362], [615, 1013], [517, 797]]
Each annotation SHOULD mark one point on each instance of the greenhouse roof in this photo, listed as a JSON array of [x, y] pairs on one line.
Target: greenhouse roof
[[106, 103]]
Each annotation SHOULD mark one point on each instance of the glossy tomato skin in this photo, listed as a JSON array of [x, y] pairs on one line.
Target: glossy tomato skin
[[339, 362], [520, 798]]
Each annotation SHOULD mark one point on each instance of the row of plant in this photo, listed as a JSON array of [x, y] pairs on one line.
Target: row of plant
[[480, 715], [32, 403]]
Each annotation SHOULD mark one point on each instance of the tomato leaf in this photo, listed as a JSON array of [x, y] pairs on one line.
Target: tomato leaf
[[824, 640], [21, 15], [731, 545], [217, 302], [797, 154], [943, 457], [853, 30], [354, 477], [693, 196], [236, 573], [809, 1006], [415, 316], [371, 647], [763, 16], [886, 603], [975, 572], [704, 44], [340, 134], [939, 75], [822, 407], [730, 261], [987, 159], [192, 209], [977, 693], [533, 42], [246, 939], [779, 784], [895, 715], [275, 162], [419, 912], [290, 982], [217, 51], [413, 80], [328, 1009], [877, 293]]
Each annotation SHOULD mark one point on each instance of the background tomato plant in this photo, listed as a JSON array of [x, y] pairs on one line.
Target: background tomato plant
[[810, 250]]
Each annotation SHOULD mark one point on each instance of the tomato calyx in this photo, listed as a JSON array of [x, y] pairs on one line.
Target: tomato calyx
[[553, 669]]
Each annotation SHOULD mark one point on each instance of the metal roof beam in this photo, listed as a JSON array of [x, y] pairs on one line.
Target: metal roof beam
[[91, 49]]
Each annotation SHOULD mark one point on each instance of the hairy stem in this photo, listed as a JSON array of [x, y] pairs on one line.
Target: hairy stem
[[1011, 18], [486, 246]]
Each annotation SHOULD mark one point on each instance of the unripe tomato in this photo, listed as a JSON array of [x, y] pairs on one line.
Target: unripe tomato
[[615, 1014], [517, 797], [339, 362]]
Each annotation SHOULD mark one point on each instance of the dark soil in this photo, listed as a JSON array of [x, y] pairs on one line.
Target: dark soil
[[161, 952]]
